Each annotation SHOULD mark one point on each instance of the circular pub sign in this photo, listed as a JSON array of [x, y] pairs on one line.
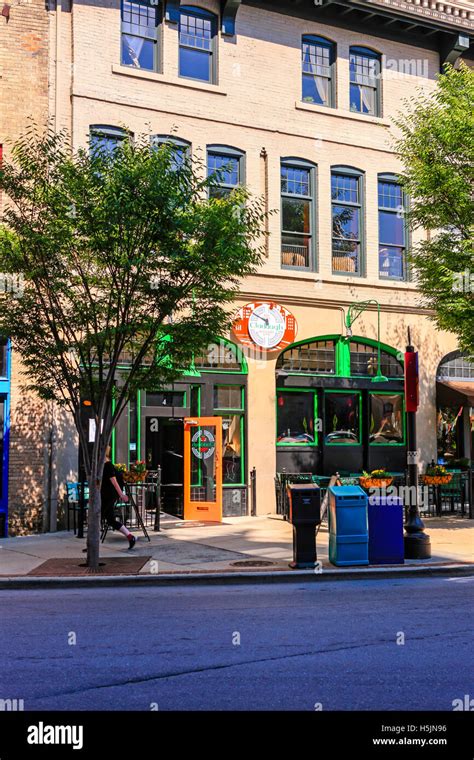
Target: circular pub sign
[[265, 324], [203, 444]]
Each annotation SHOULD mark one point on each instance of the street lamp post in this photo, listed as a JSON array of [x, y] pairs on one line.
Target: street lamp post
[[417, 542], [354, 311]]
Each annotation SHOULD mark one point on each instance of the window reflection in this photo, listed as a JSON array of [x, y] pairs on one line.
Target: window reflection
[[386, 418], [342, 418], [295, 417]]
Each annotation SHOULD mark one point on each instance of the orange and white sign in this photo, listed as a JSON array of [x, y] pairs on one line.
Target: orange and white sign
[[265, 324]]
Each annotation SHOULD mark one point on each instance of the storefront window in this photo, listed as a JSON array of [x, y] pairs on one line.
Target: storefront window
[[231, 397], [386, 418], [232, 433], [228, 397], [296, 417], [2, 426], [342, 418], [133, 430]]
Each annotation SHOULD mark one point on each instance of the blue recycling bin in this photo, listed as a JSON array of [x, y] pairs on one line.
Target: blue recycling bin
[[348, 526], [386, 545]]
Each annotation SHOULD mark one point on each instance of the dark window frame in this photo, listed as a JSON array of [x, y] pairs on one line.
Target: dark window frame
[[359, 174], [370, 55], [388, 177], [200, 13], [232, 153], [321, 42], [156, 38], [110, 132], [300, 163], [315, 409]]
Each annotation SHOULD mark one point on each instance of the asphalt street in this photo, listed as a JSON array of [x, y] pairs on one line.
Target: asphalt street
[[401, 644]]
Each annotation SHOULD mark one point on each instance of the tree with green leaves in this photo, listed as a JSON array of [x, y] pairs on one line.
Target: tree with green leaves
[[122, 256], [437, 150]]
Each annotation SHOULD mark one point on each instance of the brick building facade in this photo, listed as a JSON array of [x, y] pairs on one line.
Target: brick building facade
[[297, 95]]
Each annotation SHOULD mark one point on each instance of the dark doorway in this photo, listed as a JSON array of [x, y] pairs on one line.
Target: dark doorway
[[164, 447]]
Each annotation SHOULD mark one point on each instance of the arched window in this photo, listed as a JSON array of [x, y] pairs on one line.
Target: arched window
[[298, 214], [456, 366], [106, 138], [365, 76], [393, 231], [197, 44], [226, 167], [347, 198], [313, 357], [221, 356], [181, 148], [318, 70], [364, 359]]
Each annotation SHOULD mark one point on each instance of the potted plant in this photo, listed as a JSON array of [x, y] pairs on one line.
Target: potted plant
[[376, 479], [436, 475]]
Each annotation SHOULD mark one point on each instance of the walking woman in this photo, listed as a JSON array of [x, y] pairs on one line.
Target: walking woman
[[110, 493]]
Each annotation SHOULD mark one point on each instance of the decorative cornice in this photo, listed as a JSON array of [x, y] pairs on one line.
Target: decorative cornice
[[436, 11]]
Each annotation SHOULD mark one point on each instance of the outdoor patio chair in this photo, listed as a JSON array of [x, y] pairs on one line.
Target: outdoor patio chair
[[73, 505]]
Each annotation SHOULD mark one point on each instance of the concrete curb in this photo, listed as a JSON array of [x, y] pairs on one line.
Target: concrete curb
[[206, 578]]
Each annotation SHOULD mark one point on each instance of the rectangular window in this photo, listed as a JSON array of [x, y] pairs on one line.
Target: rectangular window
[[392, 231], [166, 398], [386, 418], [225, 170], [296, 418], [365, 71], [196, 41], [342, 418], [228, 397], [317, 59], [232, 448], [140, 35], [297, 205], [133, 430], [346, 223]]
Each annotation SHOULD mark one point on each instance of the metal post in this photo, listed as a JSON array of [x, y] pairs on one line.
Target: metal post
[[417, 542], [253, 486], [157, 483], [82, 478]]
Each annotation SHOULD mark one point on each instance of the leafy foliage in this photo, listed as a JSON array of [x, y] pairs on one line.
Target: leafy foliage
[[437, 150]]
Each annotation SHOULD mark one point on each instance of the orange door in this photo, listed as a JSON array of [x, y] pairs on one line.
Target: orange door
[[203, 469]]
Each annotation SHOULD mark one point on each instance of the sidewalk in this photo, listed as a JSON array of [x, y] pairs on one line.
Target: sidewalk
[[239, 547]]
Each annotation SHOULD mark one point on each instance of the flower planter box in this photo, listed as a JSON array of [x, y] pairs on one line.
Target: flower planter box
[[375, 482], [436, 480]]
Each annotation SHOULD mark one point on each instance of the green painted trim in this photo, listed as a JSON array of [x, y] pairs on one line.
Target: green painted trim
[[343, 358], [346, 393], [314, 391], [391, 393]]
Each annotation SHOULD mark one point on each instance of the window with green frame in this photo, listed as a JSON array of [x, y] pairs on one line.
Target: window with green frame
[[296, 417], [364, 361], [229, 404], [342, 417], [387, 419]]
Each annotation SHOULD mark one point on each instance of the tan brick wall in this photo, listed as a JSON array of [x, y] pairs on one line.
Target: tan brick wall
[[24, 59], [255, 104]]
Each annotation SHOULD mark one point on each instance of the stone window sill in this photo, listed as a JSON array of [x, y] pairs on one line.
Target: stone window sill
[[153, 76], [341, 114]]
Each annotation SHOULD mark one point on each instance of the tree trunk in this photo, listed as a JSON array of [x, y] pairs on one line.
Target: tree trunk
[[93, 520]]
